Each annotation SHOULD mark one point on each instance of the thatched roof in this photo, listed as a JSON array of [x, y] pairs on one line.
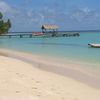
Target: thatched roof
[[49, 27]]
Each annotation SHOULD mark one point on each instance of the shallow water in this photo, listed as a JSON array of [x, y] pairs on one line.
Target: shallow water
[[64, 48]]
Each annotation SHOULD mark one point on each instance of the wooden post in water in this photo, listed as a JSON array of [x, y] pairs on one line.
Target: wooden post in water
[[30, 35], [21, 36], [9, 36]]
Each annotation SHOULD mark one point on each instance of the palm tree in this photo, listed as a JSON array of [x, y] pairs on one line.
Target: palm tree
[[4, 26], [1, 16]]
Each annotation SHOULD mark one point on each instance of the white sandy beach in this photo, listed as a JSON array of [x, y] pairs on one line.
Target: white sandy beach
[[22, 81]]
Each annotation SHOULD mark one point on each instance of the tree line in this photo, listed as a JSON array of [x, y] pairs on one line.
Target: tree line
[[4, 25]]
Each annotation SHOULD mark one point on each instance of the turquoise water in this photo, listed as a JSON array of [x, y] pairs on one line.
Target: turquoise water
[[72, 48]]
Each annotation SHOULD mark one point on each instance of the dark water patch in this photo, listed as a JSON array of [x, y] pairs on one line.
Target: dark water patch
[[60, 44]]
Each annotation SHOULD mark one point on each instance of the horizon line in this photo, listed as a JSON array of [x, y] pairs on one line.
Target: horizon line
[[57, 31]]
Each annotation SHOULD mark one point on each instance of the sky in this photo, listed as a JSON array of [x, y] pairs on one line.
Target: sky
[[29, 15]]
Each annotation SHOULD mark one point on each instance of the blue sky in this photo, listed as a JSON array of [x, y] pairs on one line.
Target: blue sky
[[29, 15]]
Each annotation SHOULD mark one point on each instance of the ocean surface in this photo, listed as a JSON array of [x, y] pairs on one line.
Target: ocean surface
[[64, 48]]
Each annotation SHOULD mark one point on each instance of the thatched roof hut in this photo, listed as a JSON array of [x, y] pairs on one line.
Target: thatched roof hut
[[49, 27]]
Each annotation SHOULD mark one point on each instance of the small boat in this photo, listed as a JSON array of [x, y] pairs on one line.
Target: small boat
[[94, 45]]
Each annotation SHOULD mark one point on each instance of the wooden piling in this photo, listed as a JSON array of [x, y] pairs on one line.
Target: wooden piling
[[21, 36], [30, 35]]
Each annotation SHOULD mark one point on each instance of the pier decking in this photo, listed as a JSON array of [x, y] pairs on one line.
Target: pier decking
[[40, 34], [18, 35]]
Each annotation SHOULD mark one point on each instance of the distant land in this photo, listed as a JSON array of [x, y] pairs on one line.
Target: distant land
[[58, 31]]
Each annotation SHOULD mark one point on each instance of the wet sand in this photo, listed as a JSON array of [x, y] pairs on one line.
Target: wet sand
[[83, 72], [39, 79]]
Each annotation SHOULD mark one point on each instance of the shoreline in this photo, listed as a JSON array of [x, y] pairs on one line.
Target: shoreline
[[75, 71], [35, 84], [26, 80]]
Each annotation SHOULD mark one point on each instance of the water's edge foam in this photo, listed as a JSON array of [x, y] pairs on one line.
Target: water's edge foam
[[52, 66]]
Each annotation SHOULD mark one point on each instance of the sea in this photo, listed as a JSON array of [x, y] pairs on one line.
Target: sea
[[64, 48]]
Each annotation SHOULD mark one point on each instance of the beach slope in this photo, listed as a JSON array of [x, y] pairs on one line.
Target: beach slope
[[22, 81]]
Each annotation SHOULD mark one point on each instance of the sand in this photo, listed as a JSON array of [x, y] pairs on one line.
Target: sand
[[23, 81]]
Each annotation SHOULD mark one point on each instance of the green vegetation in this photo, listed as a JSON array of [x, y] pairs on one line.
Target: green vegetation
[[4, 26]]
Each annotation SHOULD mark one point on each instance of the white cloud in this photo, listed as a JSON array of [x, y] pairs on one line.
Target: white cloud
[[85, 15], [6, 8], [86, 10], [23, 18]]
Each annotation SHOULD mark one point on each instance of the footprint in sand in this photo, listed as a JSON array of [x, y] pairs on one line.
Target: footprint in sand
[[17, 91], [63, 98], [53, 89], [33, 79], [20, 75], [37, 82], [34, 88], [75, 99], [38, 95]]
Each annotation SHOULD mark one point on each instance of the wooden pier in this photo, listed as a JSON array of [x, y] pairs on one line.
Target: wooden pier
[[21, 35], [16, 35], [41, 34]]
